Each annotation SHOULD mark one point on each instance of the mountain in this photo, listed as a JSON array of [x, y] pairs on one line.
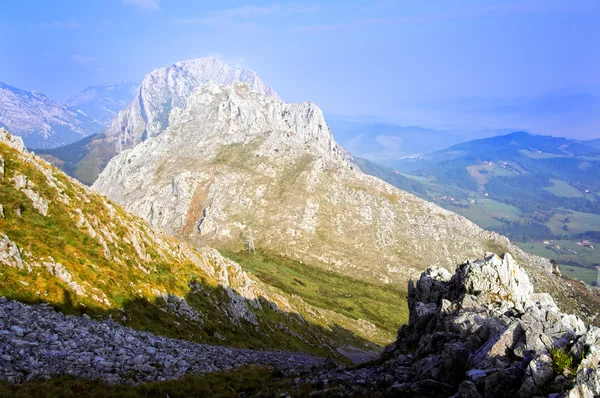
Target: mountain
[[67, 246], [593, 143], [168, 88], [512, 144], [42, 122], [102, 102], [529, 187], [161, 90], [238, 169]]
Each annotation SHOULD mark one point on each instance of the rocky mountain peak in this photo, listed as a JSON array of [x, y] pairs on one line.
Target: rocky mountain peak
[[167, 88]]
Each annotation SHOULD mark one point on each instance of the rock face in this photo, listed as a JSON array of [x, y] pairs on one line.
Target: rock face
[[103, 101], [167, 88], [36, 342], [41, 122], [234, 159], [484, 332]]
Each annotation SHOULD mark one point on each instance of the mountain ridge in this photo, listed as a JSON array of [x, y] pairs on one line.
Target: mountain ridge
[[42, 122]]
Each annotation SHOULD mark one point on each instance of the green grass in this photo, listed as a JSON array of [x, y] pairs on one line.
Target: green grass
[[488, 212], [539, 249], [583, 260], [384, 306], [562, 189], [562, 361], [586, 275], [578, 222]]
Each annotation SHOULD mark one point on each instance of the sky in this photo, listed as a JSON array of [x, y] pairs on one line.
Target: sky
[[447, 64]]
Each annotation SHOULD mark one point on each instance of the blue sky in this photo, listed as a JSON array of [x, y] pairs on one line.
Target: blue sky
[[411, 62]]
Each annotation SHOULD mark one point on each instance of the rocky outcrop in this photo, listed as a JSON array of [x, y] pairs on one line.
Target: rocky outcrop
[[485, 328], [37, 342], [482, 332], [168, 88]]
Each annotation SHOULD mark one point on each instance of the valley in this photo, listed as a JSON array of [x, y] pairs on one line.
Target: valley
[[541, 198], [229, 222]]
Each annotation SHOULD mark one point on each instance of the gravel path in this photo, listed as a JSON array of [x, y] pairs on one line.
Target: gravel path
[[38, 342]]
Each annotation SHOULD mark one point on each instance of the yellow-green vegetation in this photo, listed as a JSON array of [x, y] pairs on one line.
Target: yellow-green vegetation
[[239, 155], [87, 255], [383, 305], [290, 175], [562, 361], [587, 275], [579, 222]]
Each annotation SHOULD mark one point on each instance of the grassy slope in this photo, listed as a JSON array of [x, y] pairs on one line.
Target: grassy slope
[[385, 306], [120, 277]]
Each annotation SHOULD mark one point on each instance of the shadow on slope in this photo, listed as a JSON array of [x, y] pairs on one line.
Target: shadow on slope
[[84, 159], [209, 314]]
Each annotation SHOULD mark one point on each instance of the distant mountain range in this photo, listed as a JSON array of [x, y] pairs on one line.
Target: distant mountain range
[[593, 143], [41, 122], [44, 123], [103, 101], [528, 187]]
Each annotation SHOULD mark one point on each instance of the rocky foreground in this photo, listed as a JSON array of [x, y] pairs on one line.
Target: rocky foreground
[[481, 332], [37, 342]]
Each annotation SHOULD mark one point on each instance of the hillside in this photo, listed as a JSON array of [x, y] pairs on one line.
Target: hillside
[[41, 122], [533, 189], [235, 161], [65, 245], [483, 331]]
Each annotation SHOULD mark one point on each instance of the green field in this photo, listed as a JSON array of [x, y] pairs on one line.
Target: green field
[[562, 189], [578, 222], [585, 255], [486, 212], [538, 249], [586, 275]]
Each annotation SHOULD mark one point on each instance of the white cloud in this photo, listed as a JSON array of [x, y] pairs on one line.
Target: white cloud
[[83, 60], [148, 4], [99, 70]]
